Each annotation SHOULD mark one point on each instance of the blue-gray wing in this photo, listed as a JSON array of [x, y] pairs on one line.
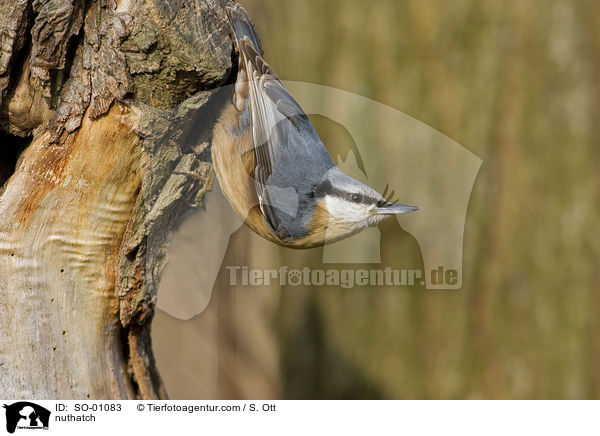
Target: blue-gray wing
[[289, 155]]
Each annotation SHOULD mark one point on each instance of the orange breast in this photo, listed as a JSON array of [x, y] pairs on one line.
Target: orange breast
[[233, 158]]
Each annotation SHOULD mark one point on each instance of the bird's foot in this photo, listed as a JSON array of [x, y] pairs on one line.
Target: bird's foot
[[207, 180]]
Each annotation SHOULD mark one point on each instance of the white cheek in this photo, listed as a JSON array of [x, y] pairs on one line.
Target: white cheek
[[344, 210], [376, 219]]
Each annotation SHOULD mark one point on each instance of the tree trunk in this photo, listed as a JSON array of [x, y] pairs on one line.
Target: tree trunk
[[101, 103]]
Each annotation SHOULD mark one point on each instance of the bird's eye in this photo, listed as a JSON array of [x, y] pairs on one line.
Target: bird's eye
[[357, 198]]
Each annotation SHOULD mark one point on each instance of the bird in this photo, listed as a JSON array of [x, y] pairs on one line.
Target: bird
[[272, 166]]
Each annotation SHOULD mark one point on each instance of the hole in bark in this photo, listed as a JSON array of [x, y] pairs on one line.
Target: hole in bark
[[62, 271], [11, 147], [60, 78], [132, 254]]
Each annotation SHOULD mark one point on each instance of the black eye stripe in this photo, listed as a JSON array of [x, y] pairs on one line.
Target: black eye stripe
[[326, 188], [369, 200]]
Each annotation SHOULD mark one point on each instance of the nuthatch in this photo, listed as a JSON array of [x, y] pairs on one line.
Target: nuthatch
[[274, 169]]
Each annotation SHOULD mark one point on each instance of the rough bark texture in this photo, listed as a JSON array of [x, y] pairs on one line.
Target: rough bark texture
[[100, 103]]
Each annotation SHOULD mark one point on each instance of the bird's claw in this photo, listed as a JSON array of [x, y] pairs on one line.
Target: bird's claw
[[207, 184]]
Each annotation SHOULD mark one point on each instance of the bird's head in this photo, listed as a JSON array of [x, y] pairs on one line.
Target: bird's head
[[349, 206]]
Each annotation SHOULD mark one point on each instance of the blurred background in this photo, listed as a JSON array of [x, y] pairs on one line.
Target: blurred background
[[517, 82]]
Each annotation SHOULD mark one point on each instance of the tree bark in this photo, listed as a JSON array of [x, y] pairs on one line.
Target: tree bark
[[101, 102]]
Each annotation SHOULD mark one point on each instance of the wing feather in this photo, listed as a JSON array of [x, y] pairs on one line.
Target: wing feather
[[279, 127]]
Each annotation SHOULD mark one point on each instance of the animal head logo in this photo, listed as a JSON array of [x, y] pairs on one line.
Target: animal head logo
[[26, 415]]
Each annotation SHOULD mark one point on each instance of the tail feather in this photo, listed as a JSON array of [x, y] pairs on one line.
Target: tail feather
[[242, 26]]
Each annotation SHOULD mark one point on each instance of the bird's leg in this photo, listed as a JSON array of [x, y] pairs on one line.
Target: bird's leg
[[208, 182]]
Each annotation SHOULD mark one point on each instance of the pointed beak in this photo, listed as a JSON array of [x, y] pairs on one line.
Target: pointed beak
[[395, 209]]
